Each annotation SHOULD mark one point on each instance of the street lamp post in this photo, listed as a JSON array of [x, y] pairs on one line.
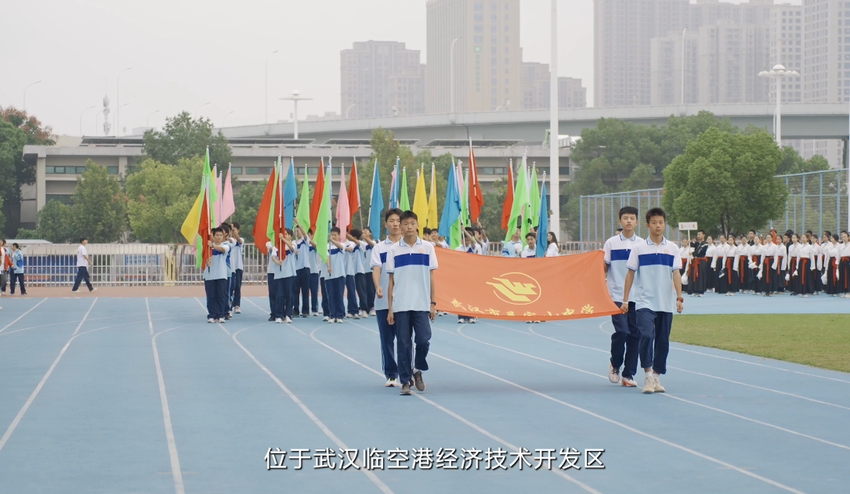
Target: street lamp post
[[148, 119], [81, 118], [25, 92], [267, 84], [683, 65], [225, 117], [778, 72], [118, 109], [452, 74], [352, 105], [295, 98], [199, 108], [118, 101]]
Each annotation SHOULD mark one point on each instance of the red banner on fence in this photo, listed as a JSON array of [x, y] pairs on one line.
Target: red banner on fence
[[537, 289]]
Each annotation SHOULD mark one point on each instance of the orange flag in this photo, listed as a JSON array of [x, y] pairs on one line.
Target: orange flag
[[523, 289], [261, 223], [204, 232], [353, 193], [318, 191]]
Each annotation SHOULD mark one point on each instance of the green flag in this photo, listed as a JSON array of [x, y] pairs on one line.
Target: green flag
[[520, 204], [534, 197], [455, 237], [302, 215], [404, 202], [323, 221]]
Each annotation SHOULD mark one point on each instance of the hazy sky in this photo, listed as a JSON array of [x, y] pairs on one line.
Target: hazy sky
[[187, 53]]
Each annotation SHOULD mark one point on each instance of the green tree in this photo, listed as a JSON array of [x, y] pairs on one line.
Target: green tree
[[247, 202], [99, 211], [184, 137], [157, 202], [12, 140], [724, 181], [55, 224], [791, 161], [816, 163]]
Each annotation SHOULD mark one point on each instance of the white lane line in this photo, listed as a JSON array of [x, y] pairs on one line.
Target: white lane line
[[176, 473], [22, 315], [383, 487], [766, 424], [771, 390], [40, 385], [449, 412]]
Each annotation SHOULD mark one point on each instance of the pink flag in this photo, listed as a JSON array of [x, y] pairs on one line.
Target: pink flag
[[216, 205], [343, 213], [228, 206]]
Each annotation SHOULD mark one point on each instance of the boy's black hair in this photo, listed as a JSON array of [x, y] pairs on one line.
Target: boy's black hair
[[289, 231], [408, 214], [390, 212], [216, 230], [469, 229], [82, 239], [16, 246], [752, 231], [224, 224], [426, 231], [628, 210], [529, 234], [356, 233], [834, 237], [367, 228], [701, 231], [655, 212], [309, 231], [235, 224], [731, 235], [334, 229]]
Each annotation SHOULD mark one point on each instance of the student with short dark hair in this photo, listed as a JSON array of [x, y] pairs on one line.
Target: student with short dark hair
[[367, 244], [530, 249], [17, 269], [285, 279], [335, 281], [353, 264], [655, 264], [302, 273], [215, 277], [237, 263], [227, 261], [411, 300], [83, 263], [380, 277], [356, 236], [313, 257]]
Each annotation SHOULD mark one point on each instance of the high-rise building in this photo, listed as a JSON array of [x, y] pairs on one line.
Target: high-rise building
[[786, 48], [534, 89], [826, 51], [380, 79], [486, 57]]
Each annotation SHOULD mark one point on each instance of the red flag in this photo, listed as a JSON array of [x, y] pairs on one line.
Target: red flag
[[353, 193], [318, 191], [261, 224], [476, 199], [509, 199], [204, 231], [277, 220]]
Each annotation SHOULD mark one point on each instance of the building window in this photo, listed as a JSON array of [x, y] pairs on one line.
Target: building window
[[493, 50], [236, 170], [479, 40], [493, 61], [479, 28], [507, 28], [493, 18], [112, 170], [493, 6], [479, 6], [63, 198], [479, 17], [493, 28]]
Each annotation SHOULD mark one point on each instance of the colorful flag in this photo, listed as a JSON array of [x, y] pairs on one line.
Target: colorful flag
[[189, 229], [394, 185], [290, 194], [451, 206], [475, 197], [323, 221], [261, 223], [204, 227], [543, 225], [211, 191], [464, 197], [534, 196], [420, 200], [404, 201], [376, 204], [509, 198], [302, 215], [216, 203], [518, 207], [353, 193], [343, 215], [432, 200], [228, 204], [318, 192], [275, 225]]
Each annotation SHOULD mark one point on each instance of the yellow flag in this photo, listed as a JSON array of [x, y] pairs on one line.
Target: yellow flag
[[432, 200], [420, 201], [190, 224]]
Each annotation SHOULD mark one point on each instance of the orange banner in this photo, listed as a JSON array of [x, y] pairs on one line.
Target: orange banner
[[537, 289]]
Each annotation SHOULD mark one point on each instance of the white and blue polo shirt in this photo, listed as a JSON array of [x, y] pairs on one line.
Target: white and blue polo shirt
[[510, 249], [528, 252], [379, 258], [353, 257], [236, 256], [303, 259], [617, 250], [218, 268], [337, 262], [411, 267], [655, 264], [366, 257], [287, 268]]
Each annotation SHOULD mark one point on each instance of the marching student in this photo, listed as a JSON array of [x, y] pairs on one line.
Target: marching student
[[323, 282], [435, 238], [381, 278], [276, 267], [723, 267], [817, 263], [215, 277], [530, 245], [655, 265], [17, 270], [552, 249], [352, 256], [238, 265], [335, 281], [710, 274], [792, 277], [411, 302], [315, 269], [426, 236], [83, 264], [356, 236], [367, 244], [780, 265], [227, 289], [481, 238], [828, 251], [513, 247], [626, 337], [302, 273], [272, 268], [285, 279], [805, 266], [698, 274], [685, 252]]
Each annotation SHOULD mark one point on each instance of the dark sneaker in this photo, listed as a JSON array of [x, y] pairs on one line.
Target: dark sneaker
[[405, 389], [417, 381], [271, 318]]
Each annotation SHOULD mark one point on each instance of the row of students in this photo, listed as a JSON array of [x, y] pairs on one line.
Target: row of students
[[12, 264], [515, 248]]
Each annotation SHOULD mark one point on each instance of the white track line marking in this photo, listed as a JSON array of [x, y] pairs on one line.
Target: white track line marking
[[22, 315], [382, 486], [176, 473], [38, 387]]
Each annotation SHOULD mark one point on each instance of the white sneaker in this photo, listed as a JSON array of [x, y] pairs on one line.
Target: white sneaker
[[628, 382], [372, 312], [326, 318], [315, 314], [220, 320], [210, 320], [355, 316], [288, 320], [648, 384], [339, 320], [613, 374], [278, 320], [391, 382], [658, 387], [237, 310]]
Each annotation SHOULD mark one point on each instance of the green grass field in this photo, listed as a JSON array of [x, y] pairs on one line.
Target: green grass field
[[820, 340]]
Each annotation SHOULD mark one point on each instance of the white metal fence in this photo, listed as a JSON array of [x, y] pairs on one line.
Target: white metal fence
[[158, 264]]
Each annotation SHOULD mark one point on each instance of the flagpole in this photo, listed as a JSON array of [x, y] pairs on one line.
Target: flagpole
[[278, 241], [209, 223], [357, 177]]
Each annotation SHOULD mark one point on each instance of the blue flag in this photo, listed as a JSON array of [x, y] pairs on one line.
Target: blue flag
[[543, 224], [451, 206], [376, 204], [394, 186], [290, 193]]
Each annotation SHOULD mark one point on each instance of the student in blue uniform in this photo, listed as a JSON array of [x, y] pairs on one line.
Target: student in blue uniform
[[17, 269], [352, 257], [285, 279], [215, 277], [313, 262], [356, 236], [654, 264], [227, 289], [367, 243], [237, 263], [335, 281], [626, 337], [302, 273], [381, 278], [411, 301]]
